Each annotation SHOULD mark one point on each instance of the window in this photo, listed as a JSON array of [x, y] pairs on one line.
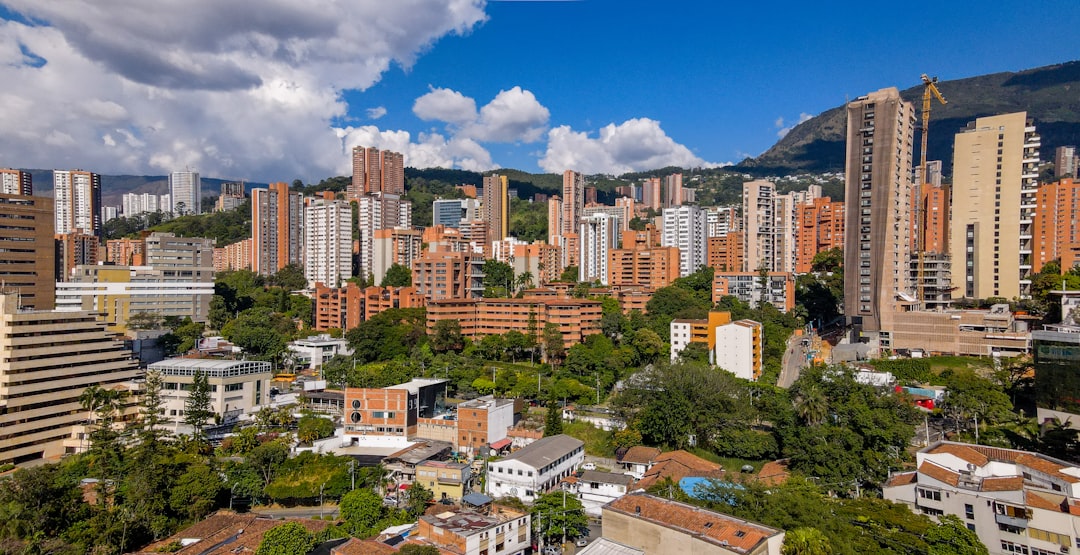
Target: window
[[1051, 537], [969, 511], [933, 495], [1010, 547]]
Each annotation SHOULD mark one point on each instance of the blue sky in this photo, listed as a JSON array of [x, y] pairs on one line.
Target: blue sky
[[676, 82]]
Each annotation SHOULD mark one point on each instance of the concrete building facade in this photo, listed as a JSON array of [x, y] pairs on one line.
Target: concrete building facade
[[277, 221], [598, 236], [77, 198], [16, 182], [529, 472], [496, 208], [236, 386], [684, 228], [327, 241], [185, 193], [28, 250]]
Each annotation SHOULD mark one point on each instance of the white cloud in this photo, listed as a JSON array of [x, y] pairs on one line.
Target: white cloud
[[513, 115], [783, 131], [634, 145], [431, 150], [233, 92], [445, 105], [376, 112]]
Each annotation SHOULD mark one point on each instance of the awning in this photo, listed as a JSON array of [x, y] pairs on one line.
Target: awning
[[502, 443]]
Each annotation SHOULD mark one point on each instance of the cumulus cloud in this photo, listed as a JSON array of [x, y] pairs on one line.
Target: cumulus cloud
[[430, 150], [445, 105], [783, 130], [121, 87], [633, 145], [376, 112]]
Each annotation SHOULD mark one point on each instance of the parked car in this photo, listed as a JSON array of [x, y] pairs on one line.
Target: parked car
[[582, 542], [552, 550], [588, 466]]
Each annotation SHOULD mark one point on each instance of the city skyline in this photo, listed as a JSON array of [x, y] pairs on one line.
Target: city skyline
[[536, 86]]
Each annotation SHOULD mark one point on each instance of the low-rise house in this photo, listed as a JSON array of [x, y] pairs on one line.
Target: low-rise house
[[466, 532], [1015, 501], [522, 437], [596, 489], [225, 534], [447, 480], [531, 471], [639, 459], [659, 526], [317, 349], [675, 466]]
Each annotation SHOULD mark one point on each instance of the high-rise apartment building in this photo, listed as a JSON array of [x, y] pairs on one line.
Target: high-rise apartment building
[[496, 208], [760, 218], [376, 171], [327, 241], [185, 191], [399, 245], [1065, 162], [995, 179], [819, 226], [573, 200], [450, 212], [232, 196], [673, 190], [449, 275], [16, 182], [133, 204], [77, 198], [277, 218], [651, 196], [75, 249], [1057, 209], [725, 254], [623, 211], [684, 228], [47, 360], [555, 219], [598, 235], [720, 220], [880, 130], [27, 250]]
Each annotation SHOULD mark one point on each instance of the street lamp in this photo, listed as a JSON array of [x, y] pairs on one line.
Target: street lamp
[[321, 498]]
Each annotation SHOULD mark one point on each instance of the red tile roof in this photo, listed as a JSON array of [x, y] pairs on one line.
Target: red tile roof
[[245, 532], [963, 452], [902, 479], [939, 473], [734, 534], [1046, 466], [1004, 483], [362, 547], [677, 465], [640, 454]]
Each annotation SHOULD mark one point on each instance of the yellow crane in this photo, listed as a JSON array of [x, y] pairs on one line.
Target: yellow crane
[[930, 92]]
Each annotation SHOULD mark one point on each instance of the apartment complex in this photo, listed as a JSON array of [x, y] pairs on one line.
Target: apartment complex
[[277, 220], [327, 241], [819, 226], [236, 386], [725, 253], [185, 193], [1057, 209], [346, 306], [598, 235], [686, 331], [235, 256], [995, 180], [399, 245], [777, 289], [684, 228], [446, 480], [47, 359], [501, 530], [576, 318], [376, 171], [673, 190], [739, 348], [441, 275], [133, 204], [657, 526], [451, 212], [1015, 501], [1066, 162], [27, 250], [231, 197], [16, 182], [880, 133], [654, 267], [529, 472], [77, 198], [75, 249]]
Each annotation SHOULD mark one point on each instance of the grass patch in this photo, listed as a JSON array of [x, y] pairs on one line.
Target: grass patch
[[939, 364], [597, 441], [730, 464]]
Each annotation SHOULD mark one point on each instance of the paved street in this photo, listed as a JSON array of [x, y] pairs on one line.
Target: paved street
[[794, 359], [301, 512]]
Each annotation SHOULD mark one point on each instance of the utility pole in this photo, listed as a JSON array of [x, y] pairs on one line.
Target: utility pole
[[352, 473]]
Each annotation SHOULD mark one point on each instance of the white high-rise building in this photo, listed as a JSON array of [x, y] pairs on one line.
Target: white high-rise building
[[77, 201], [598, 235], [721, 220], [16, 182], [327, 242], [185, 191], [138, 203], [684, 227]]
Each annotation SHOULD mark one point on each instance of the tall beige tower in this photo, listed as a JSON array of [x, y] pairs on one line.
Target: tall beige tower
[[880, 132], [573, 200], [995, 179], [496, 208]]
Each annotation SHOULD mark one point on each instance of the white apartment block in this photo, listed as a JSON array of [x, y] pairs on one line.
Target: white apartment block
[[680, 337], [1017, 502], [185, 192], [535, 469], [721, 220], [327, 242], [739, 348], [684, 227], [236, 386], [137, 203], [599, 234], [77, 202]]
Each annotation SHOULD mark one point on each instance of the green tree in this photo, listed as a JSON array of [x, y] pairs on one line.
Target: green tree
[[197, 409], [418, 499], [498, 278], [290, 538], [647, 346], [312, 428], [569, 274], [553, 424], [554, 348], [290, 278], [416, 549], [361, 509], [447, 336], [561, 515], [806, 541], [397, 275], [952, 537], [196, 491]]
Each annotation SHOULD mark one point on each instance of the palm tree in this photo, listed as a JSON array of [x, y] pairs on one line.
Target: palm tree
[[525, 281], [806, 541], [811, 405]]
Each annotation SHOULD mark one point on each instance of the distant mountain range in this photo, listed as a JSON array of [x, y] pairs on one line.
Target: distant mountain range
[[1050, 95]]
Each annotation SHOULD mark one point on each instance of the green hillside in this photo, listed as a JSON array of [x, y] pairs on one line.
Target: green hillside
[[1050, 95]]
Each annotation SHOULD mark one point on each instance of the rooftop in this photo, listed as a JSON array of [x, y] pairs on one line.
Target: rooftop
[[604, 546], [677, 465], [206, 363], [641, 454], [466, 522], [416, 384], [223, 533], [545, 451], [734, 534], [606, 477], [485, 403]]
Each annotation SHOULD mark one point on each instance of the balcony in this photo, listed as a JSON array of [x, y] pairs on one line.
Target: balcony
[[1011, 521]]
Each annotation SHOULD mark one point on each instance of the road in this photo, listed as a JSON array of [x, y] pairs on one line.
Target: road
[[794, 359], [296, 512]]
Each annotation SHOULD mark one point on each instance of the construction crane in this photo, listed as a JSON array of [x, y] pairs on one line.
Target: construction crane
[[930, 92]]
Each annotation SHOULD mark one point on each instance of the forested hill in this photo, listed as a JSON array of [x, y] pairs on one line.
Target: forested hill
[[1050, 95]]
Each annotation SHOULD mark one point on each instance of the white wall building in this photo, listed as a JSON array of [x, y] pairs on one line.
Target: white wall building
[[138, 203], [185, 192], [236, 386], [599, 233], [327, 242], [317, 349], [738, 348], [684, 227], [596, 489], [680, 337], [1017, 502], [535, 469]]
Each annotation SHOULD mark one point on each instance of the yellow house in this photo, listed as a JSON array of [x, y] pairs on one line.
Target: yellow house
[[446, 480]]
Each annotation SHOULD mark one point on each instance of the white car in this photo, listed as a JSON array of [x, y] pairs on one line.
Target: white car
[[588, 466]]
